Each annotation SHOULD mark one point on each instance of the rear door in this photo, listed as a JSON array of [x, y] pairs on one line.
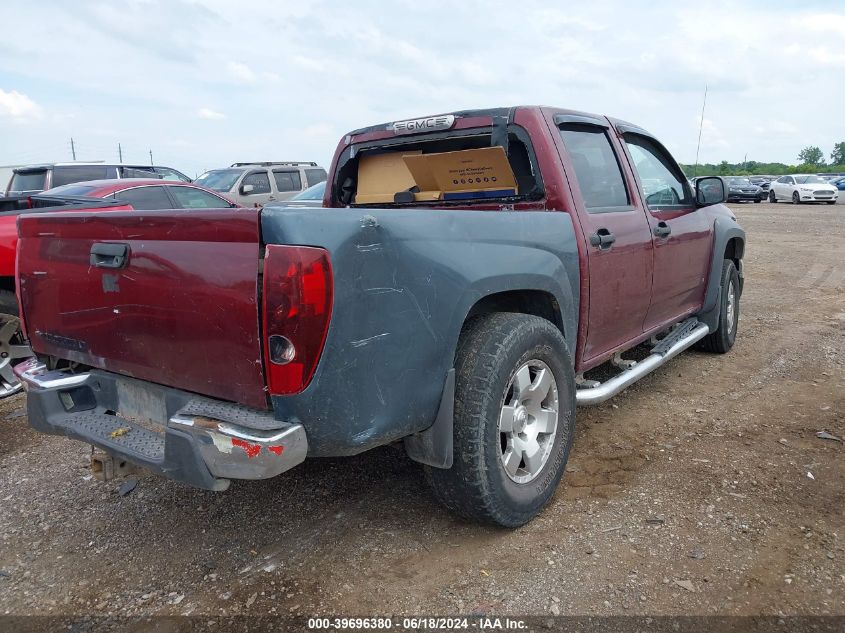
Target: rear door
[[612, 217], [164, 296]]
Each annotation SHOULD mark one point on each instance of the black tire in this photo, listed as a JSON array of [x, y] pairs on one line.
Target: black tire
[[758, 200], [796, 199], [830, 201], [722, 340], [491, 351], [772, 197]]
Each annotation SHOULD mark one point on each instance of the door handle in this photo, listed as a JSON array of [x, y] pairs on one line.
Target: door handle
[[109, 255], [662, 229], [602, 238]]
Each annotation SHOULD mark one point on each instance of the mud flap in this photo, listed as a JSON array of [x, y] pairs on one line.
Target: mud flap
[[434, 445]]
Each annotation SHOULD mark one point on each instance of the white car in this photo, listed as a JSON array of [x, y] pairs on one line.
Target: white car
[[800, 188]]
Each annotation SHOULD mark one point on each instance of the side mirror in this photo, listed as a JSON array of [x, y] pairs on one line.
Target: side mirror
[[247, 189], [709, 190]]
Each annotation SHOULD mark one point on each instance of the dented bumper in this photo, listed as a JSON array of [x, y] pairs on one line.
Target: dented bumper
[[197, 440]]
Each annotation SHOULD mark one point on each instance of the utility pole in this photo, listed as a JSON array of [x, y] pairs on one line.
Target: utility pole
[[120, 152], [700, 127], [72, 148], [151, 157]]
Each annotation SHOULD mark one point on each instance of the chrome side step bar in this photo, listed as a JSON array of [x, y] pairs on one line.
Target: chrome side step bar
[[687, 333]]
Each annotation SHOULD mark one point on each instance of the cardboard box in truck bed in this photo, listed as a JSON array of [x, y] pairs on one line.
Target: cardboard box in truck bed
[[464, 174]]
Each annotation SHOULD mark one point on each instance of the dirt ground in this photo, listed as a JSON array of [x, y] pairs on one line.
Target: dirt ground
[[703, 489]]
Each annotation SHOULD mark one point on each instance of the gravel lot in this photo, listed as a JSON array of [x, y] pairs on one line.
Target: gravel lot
[[703, 489]]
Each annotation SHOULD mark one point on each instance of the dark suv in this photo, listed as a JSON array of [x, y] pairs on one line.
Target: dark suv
[[36, 178]]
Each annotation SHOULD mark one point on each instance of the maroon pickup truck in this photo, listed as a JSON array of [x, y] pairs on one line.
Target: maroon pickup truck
[[469, 273]]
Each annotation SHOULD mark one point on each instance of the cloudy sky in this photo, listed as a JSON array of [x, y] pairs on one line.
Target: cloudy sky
[[204, 84]]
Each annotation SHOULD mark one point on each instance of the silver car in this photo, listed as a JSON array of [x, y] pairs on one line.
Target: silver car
[[256, 184]]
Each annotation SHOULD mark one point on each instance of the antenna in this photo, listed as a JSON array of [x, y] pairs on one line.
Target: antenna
[[120, 152], [700, 127], [72, 148]]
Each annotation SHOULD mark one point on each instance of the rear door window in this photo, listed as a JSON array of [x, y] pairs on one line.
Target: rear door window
[[67, 174], [146, 198], [287, 181], [28, 181], [314, 176], [190, 198], [596, 168]]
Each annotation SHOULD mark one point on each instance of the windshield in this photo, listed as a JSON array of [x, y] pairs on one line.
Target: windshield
[[219, 179], [810, 180], [28, 181], [739, 181], [72, 190], [312, 193]]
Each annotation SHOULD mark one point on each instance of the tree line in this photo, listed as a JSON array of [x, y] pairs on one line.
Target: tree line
[[810, 161]]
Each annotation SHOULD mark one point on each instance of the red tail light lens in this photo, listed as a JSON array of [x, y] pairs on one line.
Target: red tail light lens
[[297, 309]]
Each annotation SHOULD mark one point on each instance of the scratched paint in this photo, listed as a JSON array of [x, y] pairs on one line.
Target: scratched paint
[[367, 341], [277, 450], [250, 449]]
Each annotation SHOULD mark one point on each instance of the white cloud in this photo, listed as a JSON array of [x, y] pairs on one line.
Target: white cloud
[[208, 113], [18, 107], [241, 72]]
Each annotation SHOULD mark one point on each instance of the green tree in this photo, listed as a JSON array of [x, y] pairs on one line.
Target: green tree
[[811, 155], [724, 168], [837, 156]]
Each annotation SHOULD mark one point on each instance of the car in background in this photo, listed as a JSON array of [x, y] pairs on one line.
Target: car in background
[[147, 194], [764, 182], [311, 197], [741, 189], [800, 188], [256, 184], [839, 183], [37, 178]]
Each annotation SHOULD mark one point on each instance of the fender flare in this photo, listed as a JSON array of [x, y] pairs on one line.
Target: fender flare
[[724, 230], [434, 446]]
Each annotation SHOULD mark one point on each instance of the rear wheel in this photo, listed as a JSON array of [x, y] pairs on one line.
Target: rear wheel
[[723, 339], [514, 420], [796, 199], [772, 197], [12, 347]]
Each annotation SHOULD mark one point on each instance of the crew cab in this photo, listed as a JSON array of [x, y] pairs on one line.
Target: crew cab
[[472, 279]]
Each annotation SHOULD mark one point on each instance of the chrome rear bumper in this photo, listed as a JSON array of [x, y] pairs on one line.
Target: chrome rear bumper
[[183, 436]]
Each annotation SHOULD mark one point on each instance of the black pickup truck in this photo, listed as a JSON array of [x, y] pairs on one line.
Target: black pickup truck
[[468, 273]]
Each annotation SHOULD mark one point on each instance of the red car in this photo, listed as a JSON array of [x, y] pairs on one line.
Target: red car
[[138, 194]]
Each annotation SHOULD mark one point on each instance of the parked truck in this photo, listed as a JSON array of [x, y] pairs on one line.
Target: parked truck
[[466, 319]]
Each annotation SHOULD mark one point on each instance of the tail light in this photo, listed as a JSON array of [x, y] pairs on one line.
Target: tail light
[[297, 309]]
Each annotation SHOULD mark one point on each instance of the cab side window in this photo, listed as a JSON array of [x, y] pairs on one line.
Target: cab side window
[[596, 168], [259, 180], [662, 182]]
